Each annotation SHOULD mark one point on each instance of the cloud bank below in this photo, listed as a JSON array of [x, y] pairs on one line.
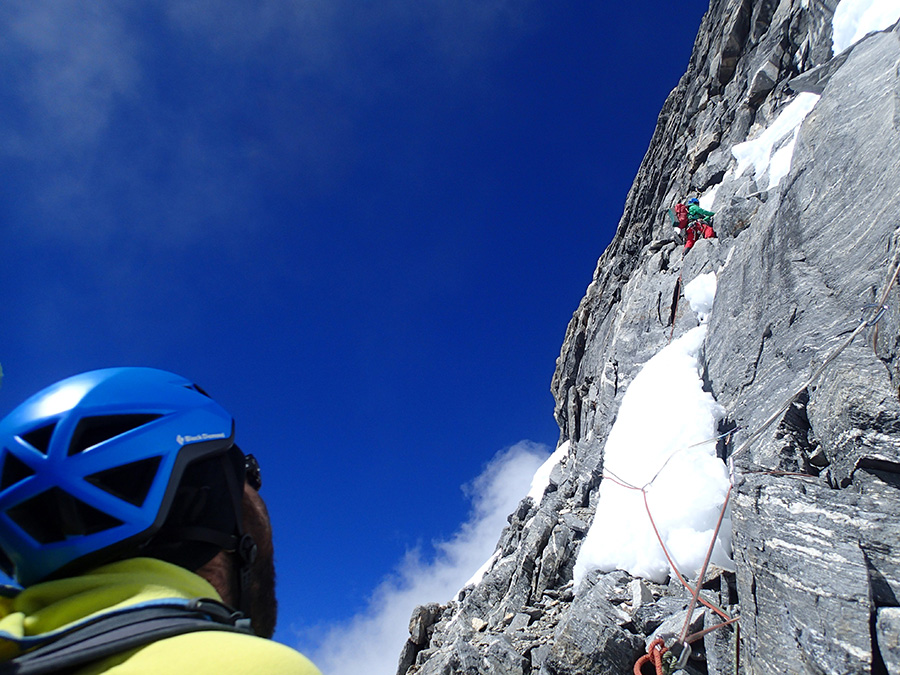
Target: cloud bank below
[[371, 641]]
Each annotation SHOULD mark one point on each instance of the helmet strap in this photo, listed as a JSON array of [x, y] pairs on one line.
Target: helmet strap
[[246, 556], [246, 549], [238, 543]]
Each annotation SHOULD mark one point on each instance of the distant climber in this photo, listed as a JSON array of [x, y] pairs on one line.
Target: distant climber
[[695, 212], [695, 221]]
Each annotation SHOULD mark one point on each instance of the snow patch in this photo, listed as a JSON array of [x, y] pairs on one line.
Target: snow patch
[[700, 293], [709, 197], [854, 19], [662, 440], [758, 152]]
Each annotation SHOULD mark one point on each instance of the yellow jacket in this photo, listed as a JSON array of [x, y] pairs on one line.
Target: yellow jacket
[[52, 605]]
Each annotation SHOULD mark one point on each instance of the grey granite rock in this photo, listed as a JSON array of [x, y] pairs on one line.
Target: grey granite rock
[[649, 617], [588, 640], [814, 513], [887, 630]]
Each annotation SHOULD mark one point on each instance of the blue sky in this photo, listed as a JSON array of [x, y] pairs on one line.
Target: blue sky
[[361, 226]]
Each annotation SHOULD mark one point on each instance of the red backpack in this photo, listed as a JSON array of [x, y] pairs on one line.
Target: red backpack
[[681, 213]]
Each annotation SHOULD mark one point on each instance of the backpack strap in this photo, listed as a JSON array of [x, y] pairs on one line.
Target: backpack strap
[[122, 631]]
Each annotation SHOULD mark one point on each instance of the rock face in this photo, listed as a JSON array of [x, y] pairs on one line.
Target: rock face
[[816, 535]]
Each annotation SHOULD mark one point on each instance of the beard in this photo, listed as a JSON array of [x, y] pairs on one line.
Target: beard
[[263, 603]]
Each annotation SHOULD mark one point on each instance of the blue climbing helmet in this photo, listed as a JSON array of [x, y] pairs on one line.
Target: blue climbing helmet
[[116, 463], [693, 201]]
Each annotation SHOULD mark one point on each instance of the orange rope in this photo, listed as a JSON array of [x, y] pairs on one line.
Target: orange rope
[[654, 656]]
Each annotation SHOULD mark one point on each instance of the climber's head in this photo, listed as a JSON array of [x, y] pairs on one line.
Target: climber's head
[[113, 464], [693, 201]]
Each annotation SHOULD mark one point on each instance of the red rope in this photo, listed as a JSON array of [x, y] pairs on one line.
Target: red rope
[[674, 568], [696, 594], [703, 601], [696, 636], [656, 648], [653, 656]]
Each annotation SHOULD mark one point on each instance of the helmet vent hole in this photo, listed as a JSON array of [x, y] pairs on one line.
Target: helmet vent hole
[[6, 564], [39, 439], [55, 516], [92, 431], [14, 470], [130, 483]]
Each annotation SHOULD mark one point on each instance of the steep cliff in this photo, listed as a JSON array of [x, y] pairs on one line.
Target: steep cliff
[[801, 352]]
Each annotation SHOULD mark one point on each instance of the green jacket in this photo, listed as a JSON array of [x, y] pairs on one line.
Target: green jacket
[[696, 213], [52, 605]]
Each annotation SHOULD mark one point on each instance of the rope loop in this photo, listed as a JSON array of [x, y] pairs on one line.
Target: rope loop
[[654, 656]]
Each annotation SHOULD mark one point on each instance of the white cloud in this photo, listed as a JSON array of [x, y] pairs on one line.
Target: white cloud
[[324, 35], [170, 122], [371, 641], [74, 60], [541, 479]]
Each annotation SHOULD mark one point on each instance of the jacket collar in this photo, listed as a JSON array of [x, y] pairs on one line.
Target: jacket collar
[[52, 605]]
